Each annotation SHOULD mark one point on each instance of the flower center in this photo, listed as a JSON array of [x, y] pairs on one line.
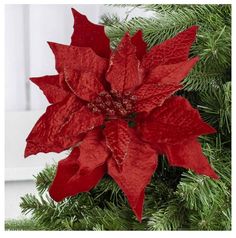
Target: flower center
[[113, 104]]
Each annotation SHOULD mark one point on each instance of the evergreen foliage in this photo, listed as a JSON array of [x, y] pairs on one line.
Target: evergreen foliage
[[22, 225], [176, 199]]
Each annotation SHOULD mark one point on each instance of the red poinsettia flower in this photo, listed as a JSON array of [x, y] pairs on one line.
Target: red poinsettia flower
[[115, 110]]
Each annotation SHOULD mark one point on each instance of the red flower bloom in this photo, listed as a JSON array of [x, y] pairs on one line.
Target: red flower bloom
[[116, 112]]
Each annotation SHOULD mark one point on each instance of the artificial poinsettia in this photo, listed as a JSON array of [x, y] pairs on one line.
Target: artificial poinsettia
[[117, 112]]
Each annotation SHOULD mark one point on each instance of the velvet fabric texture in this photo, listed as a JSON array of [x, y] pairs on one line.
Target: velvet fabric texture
[[116, 111]]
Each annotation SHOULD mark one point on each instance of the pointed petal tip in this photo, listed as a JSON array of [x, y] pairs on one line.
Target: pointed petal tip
[[138, 41], [139, 219], [191, 32], [32, 79], [212, 174], [26, 155], [215, 176], [213, 130], [196, 27], [27, 152], [138, 209], [139, 216], [208, 172], [125, 40], [139, 32], [193, 28], [127, 35], [210, 129], [51, 45], [195, 59], [73, 10]]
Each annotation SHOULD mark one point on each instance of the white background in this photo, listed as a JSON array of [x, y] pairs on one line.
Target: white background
[[27, 30]]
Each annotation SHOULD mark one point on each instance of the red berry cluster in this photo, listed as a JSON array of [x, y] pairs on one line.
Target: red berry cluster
[[113, 104]]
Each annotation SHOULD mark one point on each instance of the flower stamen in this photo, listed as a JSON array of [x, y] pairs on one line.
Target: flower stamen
[[113, 104]]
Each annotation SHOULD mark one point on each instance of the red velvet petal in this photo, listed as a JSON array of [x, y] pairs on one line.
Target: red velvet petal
[[136, 173], [174, 121], [171, 51], [87, 34], [93, 151], [81, 59], [189, 155], [123, 73], [46, 135], [82, 169], [82, 121], [140, 44], [85, 84], [117, 140], [54, 88], [171, 73], [151, 95]]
